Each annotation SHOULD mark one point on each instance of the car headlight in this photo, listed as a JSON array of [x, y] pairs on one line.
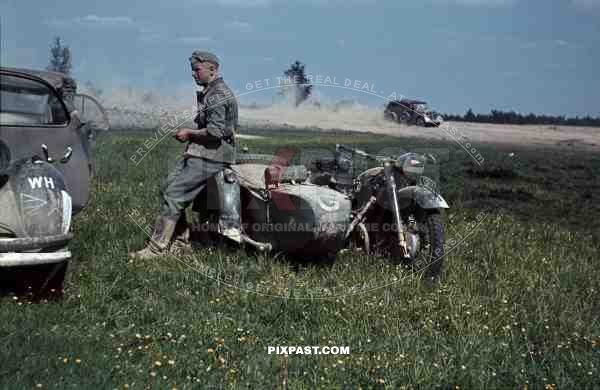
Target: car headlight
[[66, 211]]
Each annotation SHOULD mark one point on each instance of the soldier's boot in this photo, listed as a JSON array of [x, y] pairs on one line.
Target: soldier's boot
[[181, 245], [160, 241], [230, 217]]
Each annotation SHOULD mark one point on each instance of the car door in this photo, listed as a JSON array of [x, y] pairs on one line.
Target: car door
[[94, 120], [34, 120]]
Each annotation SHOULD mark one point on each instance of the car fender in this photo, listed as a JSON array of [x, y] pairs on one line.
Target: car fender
[[424, 197]]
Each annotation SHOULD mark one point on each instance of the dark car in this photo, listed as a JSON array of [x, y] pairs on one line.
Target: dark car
[[412, 112], [45, 133], [42, 108]]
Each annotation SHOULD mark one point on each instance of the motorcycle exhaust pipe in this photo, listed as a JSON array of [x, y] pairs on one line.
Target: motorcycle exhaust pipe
[[261, 246]]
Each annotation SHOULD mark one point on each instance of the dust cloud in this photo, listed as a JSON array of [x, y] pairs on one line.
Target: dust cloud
[[135, 109]]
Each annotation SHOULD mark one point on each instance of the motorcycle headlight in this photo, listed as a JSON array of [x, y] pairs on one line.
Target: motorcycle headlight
[[413, 164]]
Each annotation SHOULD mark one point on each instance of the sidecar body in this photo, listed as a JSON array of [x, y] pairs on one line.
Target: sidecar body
[[293, 215]]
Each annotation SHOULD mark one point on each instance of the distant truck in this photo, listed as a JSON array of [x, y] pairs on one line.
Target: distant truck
[[412, 112]]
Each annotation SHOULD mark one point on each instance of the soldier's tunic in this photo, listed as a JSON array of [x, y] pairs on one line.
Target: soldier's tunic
[[218, 113]]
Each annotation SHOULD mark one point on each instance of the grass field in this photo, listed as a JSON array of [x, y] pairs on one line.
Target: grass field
[[518, 305]]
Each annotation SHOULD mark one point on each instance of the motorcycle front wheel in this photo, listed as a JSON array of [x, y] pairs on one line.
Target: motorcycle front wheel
[[430, 252], [424, 234]]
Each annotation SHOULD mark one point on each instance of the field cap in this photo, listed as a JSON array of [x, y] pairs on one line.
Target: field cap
[[202, 56]]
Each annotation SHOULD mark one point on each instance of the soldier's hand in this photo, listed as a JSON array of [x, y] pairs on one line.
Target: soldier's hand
[[183, 135]]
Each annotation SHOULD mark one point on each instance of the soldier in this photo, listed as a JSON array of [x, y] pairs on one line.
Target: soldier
[[209, 152]]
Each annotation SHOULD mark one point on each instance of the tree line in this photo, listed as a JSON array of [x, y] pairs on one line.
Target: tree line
[[516, 118]]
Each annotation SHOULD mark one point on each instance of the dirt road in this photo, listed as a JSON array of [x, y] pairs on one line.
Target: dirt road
[[370, 120], [362, 118]]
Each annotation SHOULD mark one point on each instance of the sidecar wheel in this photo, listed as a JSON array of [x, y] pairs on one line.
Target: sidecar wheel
[[431, 253]]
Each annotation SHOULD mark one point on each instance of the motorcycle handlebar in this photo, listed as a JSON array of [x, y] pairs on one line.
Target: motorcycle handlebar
[[428, 156], [362, 153]]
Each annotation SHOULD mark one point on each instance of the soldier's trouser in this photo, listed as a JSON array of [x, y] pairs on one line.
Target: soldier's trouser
[[184, 183]]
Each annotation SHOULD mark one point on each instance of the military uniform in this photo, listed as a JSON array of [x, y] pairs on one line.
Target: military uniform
[[218, 114]]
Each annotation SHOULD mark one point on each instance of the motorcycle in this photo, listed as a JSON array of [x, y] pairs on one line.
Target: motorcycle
[[35, 219], [396, 209], [391, 209]]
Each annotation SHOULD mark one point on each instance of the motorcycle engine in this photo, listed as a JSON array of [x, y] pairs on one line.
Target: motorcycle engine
[[344, 172]]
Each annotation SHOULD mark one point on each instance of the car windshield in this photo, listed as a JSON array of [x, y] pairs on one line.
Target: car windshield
[[421, 107], [28, 102], [90, 112]]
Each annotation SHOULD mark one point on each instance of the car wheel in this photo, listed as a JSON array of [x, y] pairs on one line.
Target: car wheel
[[391, 116], [420, 121], [47, 280], [404, 118], [40, 281]]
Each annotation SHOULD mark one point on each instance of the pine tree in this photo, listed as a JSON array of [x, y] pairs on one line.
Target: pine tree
[[60, 57], [66, 61], [469, 116], [297, 76], [55, 56]]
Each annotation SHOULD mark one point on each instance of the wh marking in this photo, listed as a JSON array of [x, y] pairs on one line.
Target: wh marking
[[36, 182]]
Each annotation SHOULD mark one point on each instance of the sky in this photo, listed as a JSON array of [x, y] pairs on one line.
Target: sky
[[537, 56]]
